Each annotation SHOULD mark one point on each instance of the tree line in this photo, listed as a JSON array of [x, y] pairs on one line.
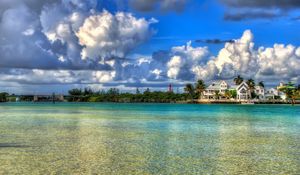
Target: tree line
[[4, 97], [191, 92], [114, 95]]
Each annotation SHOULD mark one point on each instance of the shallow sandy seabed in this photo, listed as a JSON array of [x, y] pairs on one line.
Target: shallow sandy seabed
[[149, 139]]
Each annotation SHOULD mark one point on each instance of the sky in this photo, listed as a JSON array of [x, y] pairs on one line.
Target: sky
[[55, 45]]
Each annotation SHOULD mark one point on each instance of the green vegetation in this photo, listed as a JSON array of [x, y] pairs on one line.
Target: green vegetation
[[114, 95], [238, 80], [233, 93], [251, 84], [191, 93], [189, 89], [217, 95], [26, 98], [200, 87], [261, 84], [3, 97], [292, 93], [230, 94]]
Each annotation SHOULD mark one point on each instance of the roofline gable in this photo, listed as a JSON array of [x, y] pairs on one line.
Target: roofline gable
[[243, 84]]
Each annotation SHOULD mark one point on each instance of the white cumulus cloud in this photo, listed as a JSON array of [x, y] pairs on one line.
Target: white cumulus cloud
[[277, 63], [238, 57], [282, 61], [106, 36], [184, 60], [174, 66]]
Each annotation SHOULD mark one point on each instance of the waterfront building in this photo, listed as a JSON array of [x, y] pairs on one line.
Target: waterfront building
[[243, 91], [282, 86], [260, 92], [217, 87], [282, 95], [271, 93]]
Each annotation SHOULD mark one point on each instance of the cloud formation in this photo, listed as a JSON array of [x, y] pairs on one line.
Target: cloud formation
[[21, 41], [40, 76], [258, 9], [161, 5], [184, 58], [105, 36], [284, 4], [34, 5], [55, 34], [213, 41], [72, 42], [252, 14], [280, 62], [238, 57]]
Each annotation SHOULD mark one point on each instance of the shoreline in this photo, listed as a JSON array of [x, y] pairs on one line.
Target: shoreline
[[174, 102]]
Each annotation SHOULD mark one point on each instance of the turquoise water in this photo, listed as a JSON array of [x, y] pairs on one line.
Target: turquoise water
[[100, 138]]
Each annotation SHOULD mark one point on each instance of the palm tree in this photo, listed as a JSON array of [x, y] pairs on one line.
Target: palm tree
[[137, 91], [233, 93], [189, 88], [227, 94], [217, 95], [290, 85], [200, 87], [3, 97], [288, 89], [238, 80], [294, 95], [261, 84], [75, 92], [251, 84]]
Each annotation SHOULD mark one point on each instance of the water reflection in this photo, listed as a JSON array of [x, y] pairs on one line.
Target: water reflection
[[253, 147], [82, 141]]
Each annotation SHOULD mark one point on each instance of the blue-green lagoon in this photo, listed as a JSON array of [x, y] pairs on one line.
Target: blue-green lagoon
[[110, 138]]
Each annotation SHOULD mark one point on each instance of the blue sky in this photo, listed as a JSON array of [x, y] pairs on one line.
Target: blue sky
[[205, 20], [62, 44]]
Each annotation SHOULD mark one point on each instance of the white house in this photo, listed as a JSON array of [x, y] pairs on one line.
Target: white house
[[271, 93], [216, 87], [260, 92], [282, 95], [243, 91], [220, 87]]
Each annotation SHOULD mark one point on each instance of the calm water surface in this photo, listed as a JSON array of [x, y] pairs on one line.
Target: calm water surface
[[99, 138]]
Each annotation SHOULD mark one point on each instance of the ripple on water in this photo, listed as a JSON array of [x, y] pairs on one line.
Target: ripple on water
[[149, 139]]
